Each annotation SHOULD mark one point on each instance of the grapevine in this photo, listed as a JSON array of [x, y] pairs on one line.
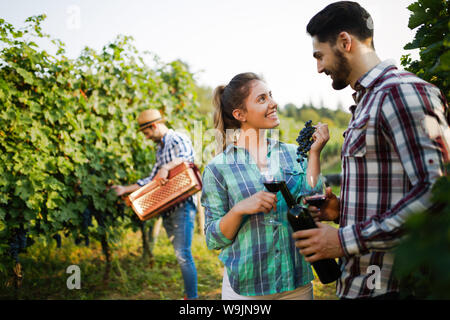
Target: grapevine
[[68, 131]]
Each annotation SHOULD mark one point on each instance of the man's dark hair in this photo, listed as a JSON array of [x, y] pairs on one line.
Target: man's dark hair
[[341, 16]]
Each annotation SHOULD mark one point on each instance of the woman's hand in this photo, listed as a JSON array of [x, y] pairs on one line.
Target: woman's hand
[[261, 201], [320, 137]]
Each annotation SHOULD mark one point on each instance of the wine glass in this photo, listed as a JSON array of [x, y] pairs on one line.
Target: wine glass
[[315, 192], [272, 183]]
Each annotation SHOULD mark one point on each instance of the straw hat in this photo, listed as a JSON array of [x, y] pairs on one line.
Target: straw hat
[[148, 117]]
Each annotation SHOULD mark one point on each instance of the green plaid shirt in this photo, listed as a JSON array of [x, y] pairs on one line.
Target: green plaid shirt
[[261, 259]]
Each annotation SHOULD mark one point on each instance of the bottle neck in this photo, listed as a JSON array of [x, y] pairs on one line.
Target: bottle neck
[[288, 197]]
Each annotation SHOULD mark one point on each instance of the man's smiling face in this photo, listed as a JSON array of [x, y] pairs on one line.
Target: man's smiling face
[[332, 62]]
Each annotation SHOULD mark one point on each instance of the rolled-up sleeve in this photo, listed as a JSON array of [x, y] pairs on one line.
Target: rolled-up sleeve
[[215, 201], [143, 182]]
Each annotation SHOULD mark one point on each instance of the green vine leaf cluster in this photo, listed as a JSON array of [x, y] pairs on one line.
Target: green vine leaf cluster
[[68, 131], [423, 259], [431, 18]]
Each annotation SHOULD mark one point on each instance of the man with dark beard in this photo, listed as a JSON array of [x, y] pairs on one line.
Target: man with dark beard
[[394, 150]]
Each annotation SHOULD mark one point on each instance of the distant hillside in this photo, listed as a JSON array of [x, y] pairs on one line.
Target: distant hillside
[[334, 118]]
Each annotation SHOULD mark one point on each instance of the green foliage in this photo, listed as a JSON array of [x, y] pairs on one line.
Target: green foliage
[[423, 259], [289, 131], [432, 20], [293, 120], [205, 97], [131, 278], [334, 118], [68, 131]]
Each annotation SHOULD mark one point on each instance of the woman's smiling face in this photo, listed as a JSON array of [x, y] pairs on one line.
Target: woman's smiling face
[[260, 108]]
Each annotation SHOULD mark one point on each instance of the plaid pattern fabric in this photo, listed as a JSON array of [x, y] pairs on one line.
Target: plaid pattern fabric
[[173, 145], [389, 164], [261, 259]]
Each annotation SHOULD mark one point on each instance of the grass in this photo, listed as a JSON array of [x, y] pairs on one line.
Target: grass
[[44, 270]]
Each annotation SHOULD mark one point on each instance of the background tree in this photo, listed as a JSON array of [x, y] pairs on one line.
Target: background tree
[[204, 98], [431, 18], [423, 259]]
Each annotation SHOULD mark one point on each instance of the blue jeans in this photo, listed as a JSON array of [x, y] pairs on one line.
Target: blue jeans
[[179, 226]]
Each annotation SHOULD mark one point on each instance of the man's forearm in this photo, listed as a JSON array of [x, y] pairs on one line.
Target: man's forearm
[[123, 190], [131, 188]]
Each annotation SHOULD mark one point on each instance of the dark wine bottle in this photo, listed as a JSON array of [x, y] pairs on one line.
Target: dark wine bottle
[[299, 218]]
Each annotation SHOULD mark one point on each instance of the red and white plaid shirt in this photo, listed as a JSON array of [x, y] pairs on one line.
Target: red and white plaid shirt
[[394, 150]]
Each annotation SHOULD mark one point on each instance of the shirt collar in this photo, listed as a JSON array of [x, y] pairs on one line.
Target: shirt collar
[[233, 154], [164, 138], [371, 77]]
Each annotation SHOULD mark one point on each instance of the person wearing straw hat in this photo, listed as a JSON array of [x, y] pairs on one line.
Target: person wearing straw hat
[[172, 149]]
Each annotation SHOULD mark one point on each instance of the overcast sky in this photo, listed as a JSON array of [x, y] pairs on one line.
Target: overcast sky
[[219, 39]]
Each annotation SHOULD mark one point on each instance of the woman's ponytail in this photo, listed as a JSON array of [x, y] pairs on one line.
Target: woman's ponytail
[[218, 115], [228, 98]]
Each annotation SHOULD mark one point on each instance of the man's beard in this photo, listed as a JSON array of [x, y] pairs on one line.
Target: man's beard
[[341, 72]]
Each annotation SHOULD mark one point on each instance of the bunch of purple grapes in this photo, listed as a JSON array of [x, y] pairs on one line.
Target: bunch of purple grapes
[[305, 140], [18, 243]]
